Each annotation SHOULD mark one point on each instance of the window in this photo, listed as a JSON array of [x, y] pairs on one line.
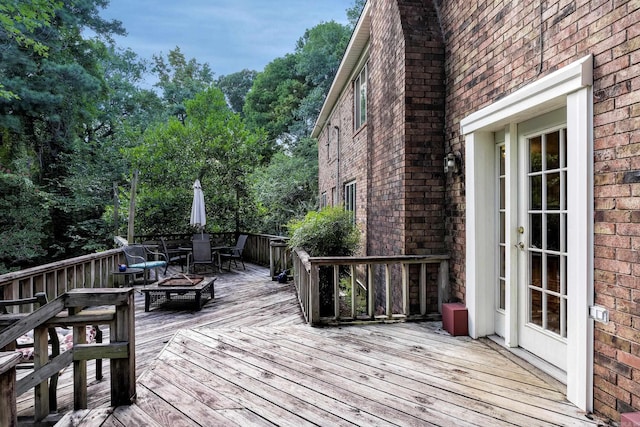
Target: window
[[350, 199], [323, 200], [360, 98]]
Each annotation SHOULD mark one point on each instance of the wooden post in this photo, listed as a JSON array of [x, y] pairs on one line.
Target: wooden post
[[123, 371], [132, 207], [314, 295], [79, 366], [41, 358], [8, 411], [116, 210]]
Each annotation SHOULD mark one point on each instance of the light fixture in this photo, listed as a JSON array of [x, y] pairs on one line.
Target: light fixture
[[450, 163]]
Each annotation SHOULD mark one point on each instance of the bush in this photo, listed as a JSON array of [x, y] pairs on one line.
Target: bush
[[329, 232]]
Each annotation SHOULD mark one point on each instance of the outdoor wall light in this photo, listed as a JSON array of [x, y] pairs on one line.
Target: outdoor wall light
[[451, 163]]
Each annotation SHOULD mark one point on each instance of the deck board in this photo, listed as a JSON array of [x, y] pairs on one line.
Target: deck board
[[248, 358]]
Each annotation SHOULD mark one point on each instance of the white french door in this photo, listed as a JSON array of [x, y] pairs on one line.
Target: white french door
[[542, 241]]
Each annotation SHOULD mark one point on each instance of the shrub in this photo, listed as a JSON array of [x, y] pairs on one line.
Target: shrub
[[329, 232]]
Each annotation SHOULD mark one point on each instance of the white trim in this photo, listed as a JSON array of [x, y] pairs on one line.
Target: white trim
[[544, 95], [568, 87]]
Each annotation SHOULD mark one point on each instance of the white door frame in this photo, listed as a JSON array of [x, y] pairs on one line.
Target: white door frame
[[570, 87]]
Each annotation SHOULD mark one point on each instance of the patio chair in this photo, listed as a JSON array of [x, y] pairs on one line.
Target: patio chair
[[201, 254], [173, 255], [139, 256], [235, 253]]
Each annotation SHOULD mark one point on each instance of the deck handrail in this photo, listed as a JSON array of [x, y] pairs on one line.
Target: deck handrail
[[78, 304], [387, 292], [258, 249], [54, 279]]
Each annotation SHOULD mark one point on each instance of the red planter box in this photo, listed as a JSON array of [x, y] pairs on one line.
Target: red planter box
[[630, 419], [455, 319]]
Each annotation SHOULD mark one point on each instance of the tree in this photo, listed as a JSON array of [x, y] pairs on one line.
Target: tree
[[319, 53], [235, 88], [18, 22], [353, 13], [212, 145], [180, 80], [287, 188], [274, 97]]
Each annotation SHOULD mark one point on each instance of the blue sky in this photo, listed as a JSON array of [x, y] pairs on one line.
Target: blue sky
[[230, 35]]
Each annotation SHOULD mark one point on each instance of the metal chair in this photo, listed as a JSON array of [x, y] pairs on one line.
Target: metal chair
[[173, 255], [138, 257], [201, 254], [235, 253]]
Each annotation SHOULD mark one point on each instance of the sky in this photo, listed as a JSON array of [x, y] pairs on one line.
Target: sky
[[229, 35]]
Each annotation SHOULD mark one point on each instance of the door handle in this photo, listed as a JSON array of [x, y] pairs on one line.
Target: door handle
[[520, 246]]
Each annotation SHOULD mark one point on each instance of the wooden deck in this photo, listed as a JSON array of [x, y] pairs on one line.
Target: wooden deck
[[248, 359]]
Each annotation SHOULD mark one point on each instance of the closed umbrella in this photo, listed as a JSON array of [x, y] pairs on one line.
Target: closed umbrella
[[198, 214]]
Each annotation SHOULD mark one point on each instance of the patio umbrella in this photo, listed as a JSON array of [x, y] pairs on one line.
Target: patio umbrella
[[198, 214]]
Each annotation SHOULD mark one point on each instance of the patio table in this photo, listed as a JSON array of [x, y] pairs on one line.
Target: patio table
[[190, 288]]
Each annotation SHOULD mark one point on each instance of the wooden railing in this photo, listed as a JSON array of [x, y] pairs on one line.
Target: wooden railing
[[74, 309], [54, 279], [259, 249], [370, 288]]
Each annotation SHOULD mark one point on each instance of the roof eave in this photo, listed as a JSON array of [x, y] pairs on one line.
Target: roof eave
[[357, 45]]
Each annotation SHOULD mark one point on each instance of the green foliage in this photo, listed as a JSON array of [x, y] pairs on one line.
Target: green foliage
[[287, 187], [180, 80], [235, 87], [329, 232], [24, 221], [353, 13], [212, 145]]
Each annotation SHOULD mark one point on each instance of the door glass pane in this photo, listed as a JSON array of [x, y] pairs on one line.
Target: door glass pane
[[553, 273], [502, 162], [553, 232], [502, 262], [502, 227], [536, 270], [536, 231], [536, 192], [563, 148], [535, 154], [535, 304], [552, 150], [553, 191], [553, 313], [501, 303]]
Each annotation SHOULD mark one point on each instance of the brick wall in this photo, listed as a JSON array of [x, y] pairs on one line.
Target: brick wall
[[348, 164], [405, 135], [496, 47]]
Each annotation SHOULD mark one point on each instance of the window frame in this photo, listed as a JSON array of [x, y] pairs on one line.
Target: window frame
[[350, 204], [360, 91]]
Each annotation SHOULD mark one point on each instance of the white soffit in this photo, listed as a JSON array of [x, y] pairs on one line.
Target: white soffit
[[541, 96]]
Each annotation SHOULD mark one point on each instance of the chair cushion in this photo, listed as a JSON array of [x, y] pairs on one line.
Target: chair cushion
[[149, 264]]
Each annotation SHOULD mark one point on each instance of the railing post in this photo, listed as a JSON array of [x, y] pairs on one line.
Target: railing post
[[123, 371], [336, 291], [41, 358], [354, 310], [314, 295], [387, 282], [405, 288], [8, 411], [443, 283], [423, 289], [79, 366], [371, 292]]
